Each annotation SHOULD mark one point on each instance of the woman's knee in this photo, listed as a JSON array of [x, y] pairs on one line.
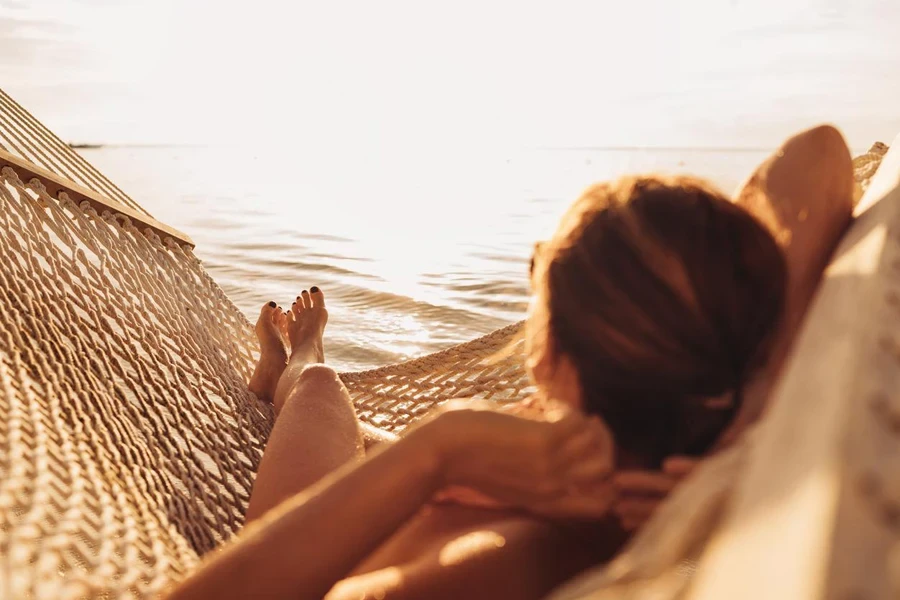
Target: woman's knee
[[319, 387], [319, 376]]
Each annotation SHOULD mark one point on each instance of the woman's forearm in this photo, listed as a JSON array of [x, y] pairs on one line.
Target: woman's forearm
[[303, 547]]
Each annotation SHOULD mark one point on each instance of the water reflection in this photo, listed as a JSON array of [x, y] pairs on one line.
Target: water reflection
[[414, 255]]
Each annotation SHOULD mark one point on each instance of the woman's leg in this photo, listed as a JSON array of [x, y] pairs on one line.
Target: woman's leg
[[316, 429]]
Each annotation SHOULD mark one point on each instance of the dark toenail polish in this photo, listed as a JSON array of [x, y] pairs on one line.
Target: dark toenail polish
[[272, 304], [314, 290], [293, 304], [305, 292]]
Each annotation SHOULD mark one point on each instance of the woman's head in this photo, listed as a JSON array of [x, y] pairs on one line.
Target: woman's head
[[654, 298]]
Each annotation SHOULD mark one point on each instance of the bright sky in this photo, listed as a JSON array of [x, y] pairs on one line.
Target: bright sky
[[407, 73]]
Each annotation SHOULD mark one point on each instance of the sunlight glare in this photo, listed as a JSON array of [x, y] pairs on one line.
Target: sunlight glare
[[375, 585], [469, 546]]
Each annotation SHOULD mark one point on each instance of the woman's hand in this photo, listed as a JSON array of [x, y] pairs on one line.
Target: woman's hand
[[641, 492], [558, 469]]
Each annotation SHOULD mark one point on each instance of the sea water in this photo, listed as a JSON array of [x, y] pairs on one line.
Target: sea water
[[415, 251]]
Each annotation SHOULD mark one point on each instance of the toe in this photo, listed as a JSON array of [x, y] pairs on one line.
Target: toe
[[307, 301], [317, 297], [284, 319], [266, 311], [267, 328]]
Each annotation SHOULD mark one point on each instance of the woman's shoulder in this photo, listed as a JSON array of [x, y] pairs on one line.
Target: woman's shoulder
[[536, 408]]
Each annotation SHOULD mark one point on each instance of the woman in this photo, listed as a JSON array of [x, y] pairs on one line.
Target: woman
[[659, 305]]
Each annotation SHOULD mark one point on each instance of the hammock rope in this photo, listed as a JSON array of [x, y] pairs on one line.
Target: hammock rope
[[28, 138], [131, 436], [128, 437]]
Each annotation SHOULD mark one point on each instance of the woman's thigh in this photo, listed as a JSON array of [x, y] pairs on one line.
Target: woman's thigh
[[315, 433], [451, 551]]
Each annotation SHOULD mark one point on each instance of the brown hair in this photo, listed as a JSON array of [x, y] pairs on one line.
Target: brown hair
[[663, 294]]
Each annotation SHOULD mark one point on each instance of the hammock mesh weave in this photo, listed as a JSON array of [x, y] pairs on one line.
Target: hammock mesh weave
[[128, 437]]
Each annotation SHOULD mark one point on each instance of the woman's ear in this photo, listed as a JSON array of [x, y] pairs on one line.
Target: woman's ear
[[565, 385], [556, 377]]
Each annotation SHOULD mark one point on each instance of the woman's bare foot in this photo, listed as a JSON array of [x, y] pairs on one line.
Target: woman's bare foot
[[306, 326], [272, 352]]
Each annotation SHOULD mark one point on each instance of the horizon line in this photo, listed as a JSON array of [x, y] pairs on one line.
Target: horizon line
[[614, 147], [609, 148]]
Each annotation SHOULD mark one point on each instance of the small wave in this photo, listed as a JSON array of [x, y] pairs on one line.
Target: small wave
[[324, 237], [335, 257], [474, 277]]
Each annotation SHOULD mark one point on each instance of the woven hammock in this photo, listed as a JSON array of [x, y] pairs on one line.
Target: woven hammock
[[128, 438]]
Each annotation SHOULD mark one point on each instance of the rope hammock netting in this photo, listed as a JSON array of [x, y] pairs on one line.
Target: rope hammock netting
[[128, 437]]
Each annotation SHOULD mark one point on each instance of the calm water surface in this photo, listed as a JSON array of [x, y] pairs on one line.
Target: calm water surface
[[414, 252]]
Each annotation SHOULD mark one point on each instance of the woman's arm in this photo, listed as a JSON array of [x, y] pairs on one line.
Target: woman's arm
[[803, 193], [303, 547]]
